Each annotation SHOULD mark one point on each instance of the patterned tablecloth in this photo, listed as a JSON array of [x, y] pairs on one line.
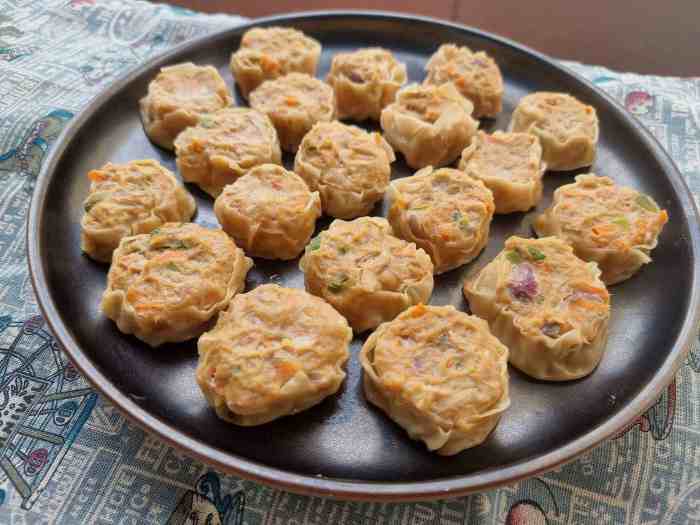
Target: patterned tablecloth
[[67, 456]]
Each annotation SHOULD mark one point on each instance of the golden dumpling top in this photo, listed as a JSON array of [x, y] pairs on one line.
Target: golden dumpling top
[[122, 195], [269, 212], [557, 114], [295, 95], [187, 87], [365, 81], [177, 97], [268, 193], [549, 290], [275, 51], [174, 268], [272, 344], [281, 43], [476, 76], [444, 203], [364, 253], [594, 212], [240, 135], [430, 125], [512, 157], [430, 103], [367, 66], [366, 273], [347, 158], [442, 361], [294, 103]]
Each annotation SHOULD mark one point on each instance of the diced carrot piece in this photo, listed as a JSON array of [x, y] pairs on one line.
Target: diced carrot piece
[[590, 289], [269, 64], [393, 385], [96, 176], [603, 230], [418, 310], [286, 368]]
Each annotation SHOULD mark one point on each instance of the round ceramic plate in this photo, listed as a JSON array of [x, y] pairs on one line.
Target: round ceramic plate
[[345, 447]]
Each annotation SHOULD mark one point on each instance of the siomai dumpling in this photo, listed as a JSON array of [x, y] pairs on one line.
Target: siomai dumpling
[[430, 125], [475, 74], [614, 226], [128, 199], [294, 103], [274, 352], [438, 373], [267, 53], [510, 165], [566, 127], [348, 166], [366, 273], [443, 211], [178, 97], [269, 212], [365, 82], [225, 145], [550, 308], [168, 285]]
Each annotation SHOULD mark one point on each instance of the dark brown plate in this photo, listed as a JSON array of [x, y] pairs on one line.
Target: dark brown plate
[[344, 447]]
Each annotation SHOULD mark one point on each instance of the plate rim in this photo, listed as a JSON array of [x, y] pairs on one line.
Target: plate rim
[[333, 487]]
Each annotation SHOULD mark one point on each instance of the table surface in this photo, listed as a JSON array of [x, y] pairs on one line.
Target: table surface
[[73, 458], [643, 36]]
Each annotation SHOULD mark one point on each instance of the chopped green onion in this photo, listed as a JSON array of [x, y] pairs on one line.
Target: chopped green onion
[[315, 243], [133, 246], [93, 199], [622, 222], [338, 284], [207, 122], [335, 287], [171, 244], [514, 256], [536, 254], [462, 222], [177, 244], [646, 202], [172, 266], [412, 291]]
